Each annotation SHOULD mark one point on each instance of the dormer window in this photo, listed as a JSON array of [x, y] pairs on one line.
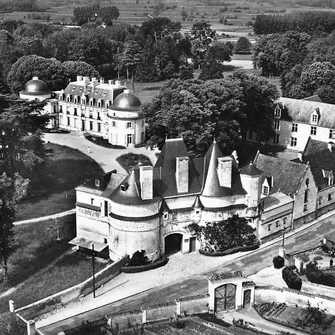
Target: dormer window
[[265, 190], [68, 98], [277, 112], [107, 103], [97, 182], [83, 101], [91, 102], [329, 176], [124, 186], [75, 100], [315, 116]]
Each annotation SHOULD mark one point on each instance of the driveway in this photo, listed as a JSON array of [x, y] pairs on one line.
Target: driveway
[[105, 157]]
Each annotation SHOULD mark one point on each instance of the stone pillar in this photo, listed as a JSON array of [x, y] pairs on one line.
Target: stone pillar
[[144, 316], [281, 252], [31, 327], [178, 307], [239, 296]]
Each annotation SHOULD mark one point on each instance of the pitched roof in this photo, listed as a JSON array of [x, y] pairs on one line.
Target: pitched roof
[[313, 98], [321, 160], [301, 110], [251, 170], [165, 169], [287, 175]]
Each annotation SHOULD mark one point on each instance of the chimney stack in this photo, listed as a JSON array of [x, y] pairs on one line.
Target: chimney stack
[[182, 174], [330, 146], [146, 181], [94, 83]]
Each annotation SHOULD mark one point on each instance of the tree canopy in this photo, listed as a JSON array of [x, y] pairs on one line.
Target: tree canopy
[[201, 110], [74, 68]]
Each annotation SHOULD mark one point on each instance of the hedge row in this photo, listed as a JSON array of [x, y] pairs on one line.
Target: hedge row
[[291, 278], [141, 268], [230, 251]]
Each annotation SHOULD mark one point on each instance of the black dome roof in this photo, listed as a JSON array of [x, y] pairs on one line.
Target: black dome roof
[[126, 101], [36, 87]]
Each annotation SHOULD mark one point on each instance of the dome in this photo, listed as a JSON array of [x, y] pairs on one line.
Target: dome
[[36, 87], [126, 101]]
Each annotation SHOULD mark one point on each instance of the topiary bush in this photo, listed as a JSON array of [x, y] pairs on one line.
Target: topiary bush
[[278, 262], [138, 259], [291, 278]]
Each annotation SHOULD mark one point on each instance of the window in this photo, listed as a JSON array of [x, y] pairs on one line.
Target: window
[[305, 207], [277, 112], [91, 125], [269, 227], [332, 133], [106, 208], [75, 111], [320, 201], [61, 108], [105, 240], [114, 124], [306, 196], [315, 118], [276, 124], [313, 130], [92, 201], [277, 224], [294, 127], [68, 121], [98, 116], [166, 216], [307, 182], [284, 221], [129, 125], [276, 139], [91, 115], [265, 190], [99, 127], [293, 142], [329, 196]]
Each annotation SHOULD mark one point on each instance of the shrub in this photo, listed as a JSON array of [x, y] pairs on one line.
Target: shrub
[[278, 262], [291, 278], [139, 259], [317, 276]]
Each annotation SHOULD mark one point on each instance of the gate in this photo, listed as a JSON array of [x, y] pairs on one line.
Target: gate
[[225, 297], [246, 298]]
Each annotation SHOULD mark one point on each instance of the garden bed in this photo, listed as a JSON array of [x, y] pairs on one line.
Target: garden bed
[[142, 268], [128, 161], [229, 251]]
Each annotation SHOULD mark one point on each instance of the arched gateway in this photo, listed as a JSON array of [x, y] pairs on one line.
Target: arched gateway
[[173, 243]]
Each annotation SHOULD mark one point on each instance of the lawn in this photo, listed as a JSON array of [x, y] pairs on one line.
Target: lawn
[[127, 161], [70, 270], [66, 168]]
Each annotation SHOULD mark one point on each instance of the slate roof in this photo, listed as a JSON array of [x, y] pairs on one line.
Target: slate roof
[[287, 175], [165, 169], [101, 91], [301, 110], [313, 98], [251, 170], [320, 158]]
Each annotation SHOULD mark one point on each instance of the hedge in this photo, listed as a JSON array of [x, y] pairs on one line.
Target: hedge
[[230, 251], [141, 268], [291, 278]]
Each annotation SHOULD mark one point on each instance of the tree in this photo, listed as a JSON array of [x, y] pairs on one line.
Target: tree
[[74, 68], [225, 234], [198, 111], [129, 58], [201, 36], [201, 110], [21, 144], [159, 28], [12, 190], [242, 46], [212, 66], [25, 68]]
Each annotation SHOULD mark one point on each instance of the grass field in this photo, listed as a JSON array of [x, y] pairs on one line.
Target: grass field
[[70, 270], [66, 169]]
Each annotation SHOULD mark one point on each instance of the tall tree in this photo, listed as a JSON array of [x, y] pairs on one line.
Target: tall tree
[[201, 37], [242, 46], [12, 190], [129, 59]]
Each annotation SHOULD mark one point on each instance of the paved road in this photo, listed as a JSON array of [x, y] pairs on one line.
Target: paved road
[[249, 264], [105, 157]]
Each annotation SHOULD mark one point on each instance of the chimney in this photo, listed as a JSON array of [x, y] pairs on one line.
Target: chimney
[[300, 156], [110, 82], [102, 81], [35, 78], [86, 81], [117, 83], [146, 181], [79, 78], [225, 167], [182, 174], [94, 83]]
